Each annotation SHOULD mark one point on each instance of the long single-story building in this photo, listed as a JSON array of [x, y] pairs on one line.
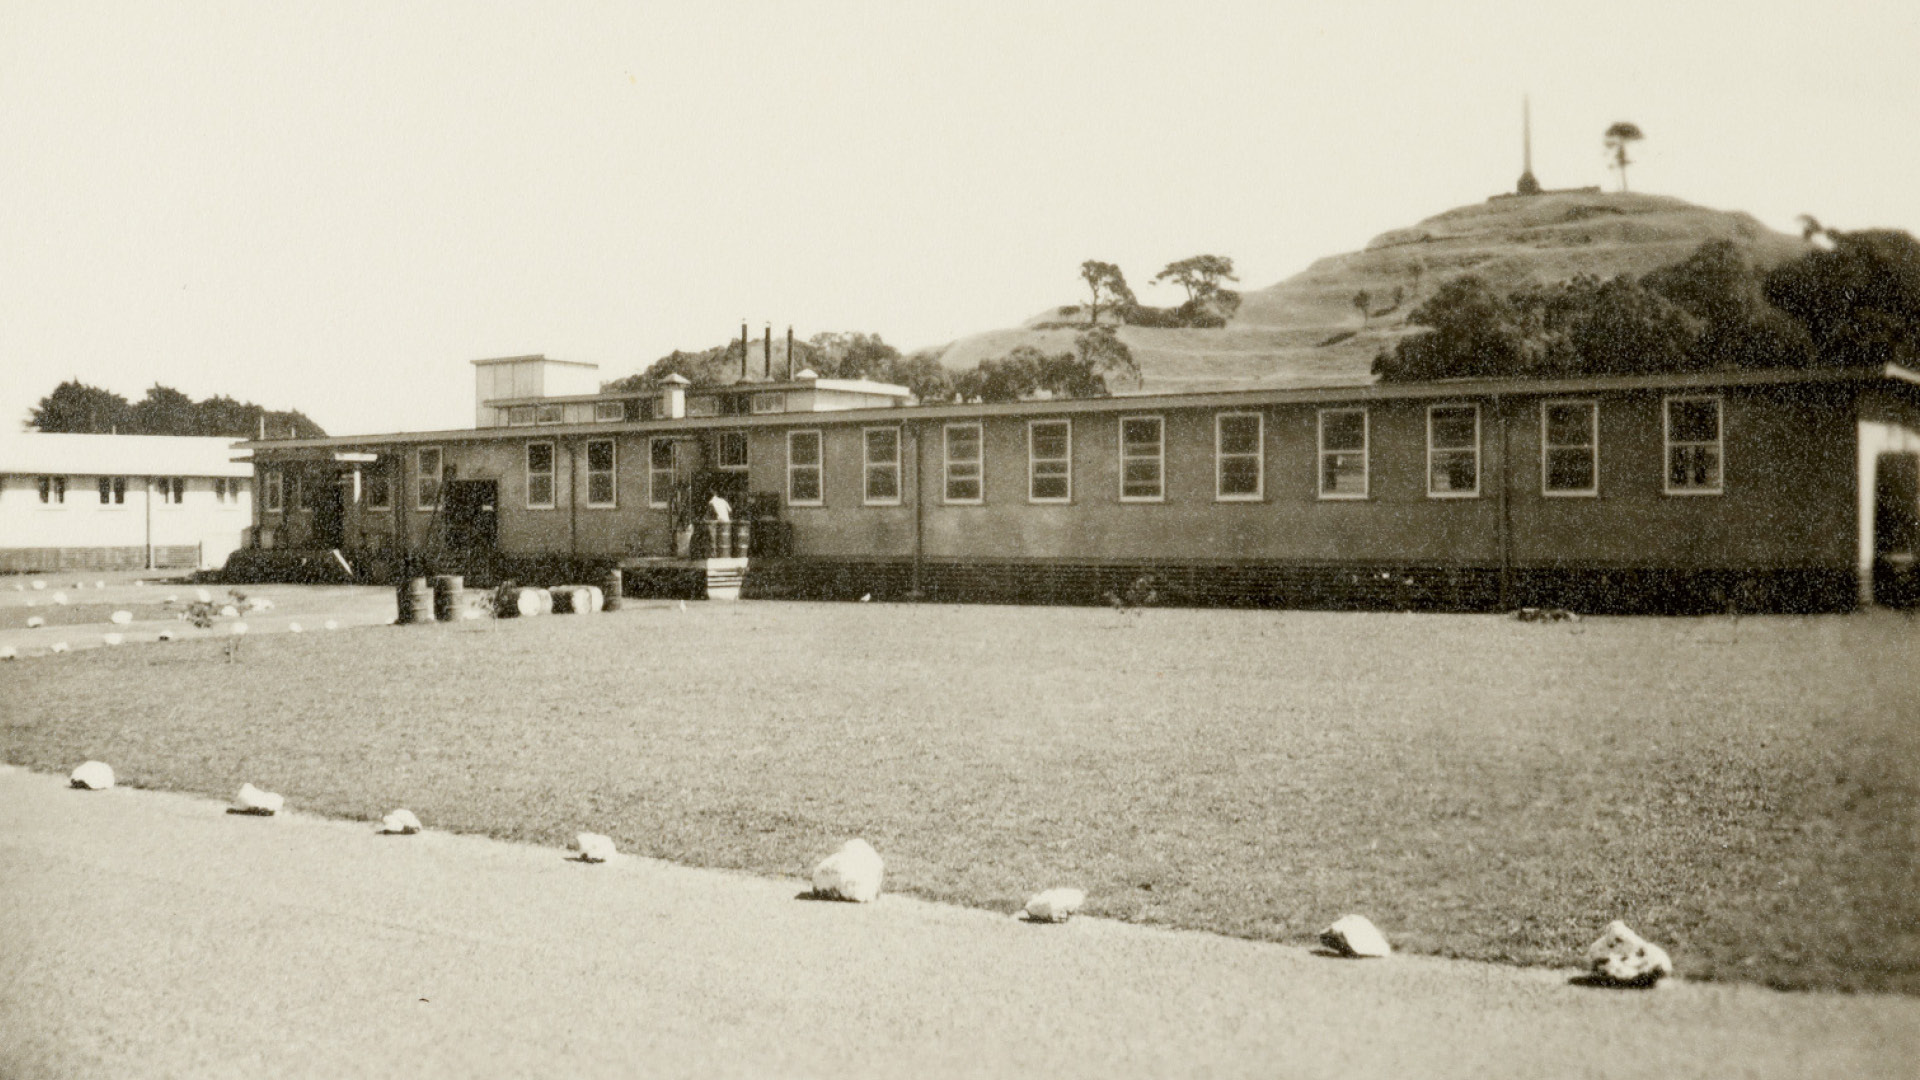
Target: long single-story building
[[112, 502], [1763, 490]]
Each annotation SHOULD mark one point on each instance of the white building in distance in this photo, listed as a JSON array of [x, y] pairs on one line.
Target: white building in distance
[[120, 502]]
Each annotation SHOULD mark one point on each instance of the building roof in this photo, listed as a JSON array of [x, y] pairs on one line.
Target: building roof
[[122, 455]]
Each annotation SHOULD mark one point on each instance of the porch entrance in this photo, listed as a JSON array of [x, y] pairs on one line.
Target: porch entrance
[[472, 510]]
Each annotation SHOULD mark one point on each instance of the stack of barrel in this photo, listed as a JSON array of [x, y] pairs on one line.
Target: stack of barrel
[[425, 600]]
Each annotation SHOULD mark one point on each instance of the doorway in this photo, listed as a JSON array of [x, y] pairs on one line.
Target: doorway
[[472, 514]]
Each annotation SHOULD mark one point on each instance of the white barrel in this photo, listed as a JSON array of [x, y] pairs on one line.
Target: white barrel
[[531, 602]]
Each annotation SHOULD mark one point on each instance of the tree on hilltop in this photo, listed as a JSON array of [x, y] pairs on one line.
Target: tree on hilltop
[[1617, 138], [1107, 285], [1200, 275]]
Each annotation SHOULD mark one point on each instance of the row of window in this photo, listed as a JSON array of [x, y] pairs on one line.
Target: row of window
[[169, 490]]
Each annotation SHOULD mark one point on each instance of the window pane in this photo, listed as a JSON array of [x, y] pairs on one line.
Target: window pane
[[733, 449], [806, 485], [1343, 430], [1343, 474], [540, 489], [1569, 470], [963, 488], [1239, 434], [1049, 440], [963, 444], [599, 487], [1452, 428], [1140, 435], [883, 482], [1240, 476], [883, 444], [661, 454], [539, 457], [600, 456], [1693, 421], [1694, 467], [1050, 487], [1455, 470], [803, 448], [1569, 425], [1142, 478]]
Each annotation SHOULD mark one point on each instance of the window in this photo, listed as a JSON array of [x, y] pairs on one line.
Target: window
[[803, 468], [1142, 459], [520, 415], [1569, 448], [171, 489], [539, 476], [772, 401], [53, 490], [882, 466], [220, 489], [659, 473], [1049, 461], [1343, 453], [270, 501], [1693, 446], [426, 491], [704, 405], [963, 463], [731, 451], [600, 473], [1237, 456], [379, 490], [113, 490], [548, 414], [302, 492], [608, 412], [1453, 451]]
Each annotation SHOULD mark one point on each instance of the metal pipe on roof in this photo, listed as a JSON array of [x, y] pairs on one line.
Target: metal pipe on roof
[[789, 352], [767, 353]]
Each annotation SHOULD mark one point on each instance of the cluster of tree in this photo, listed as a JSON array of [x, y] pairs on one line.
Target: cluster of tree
[[1097, 354], [75, 407], [1854, 301], [1208, 303]]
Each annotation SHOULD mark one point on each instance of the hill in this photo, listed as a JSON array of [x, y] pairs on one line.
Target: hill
[[1306, 331]]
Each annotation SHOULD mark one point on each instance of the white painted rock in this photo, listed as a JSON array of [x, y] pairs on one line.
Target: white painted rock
[[8, 652], [39, 585], [173, 598], [1055, 905], [237, 628], [594, 847], [252, 800], [852, 873], [139, 583], [58, 646], [293, 628], [1624, 958], [59, 598], [35, 622], [229, 612], [93, 776], [167, 635], [114, 639], [31, 602], [1355, 935], [99, 584], [400, 823], [121, 618], [203, 596], [332, 624]]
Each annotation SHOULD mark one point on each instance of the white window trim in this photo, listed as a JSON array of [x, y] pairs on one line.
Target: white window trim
[[1365, 452], [552, 474], [1431, 409], [1592, 491], [947, 463], [274, 494], [612, 471], [768, 401], [439, 477], [746, 449], [659, 496], [57, 487], [818, 468], [1667, 444], [867, 465], [600, 412], [1259, 456], [1033, 462], [1159, 455]]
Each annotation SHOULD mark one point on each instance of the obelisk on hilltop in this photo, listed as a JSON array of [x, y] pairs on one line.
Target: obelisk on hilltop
[[1527, 185]]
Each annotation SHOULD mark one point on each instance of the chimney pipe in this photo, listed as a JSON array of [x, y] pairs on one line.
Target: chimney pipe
[[766, 363], [789, 352], [743, 350]]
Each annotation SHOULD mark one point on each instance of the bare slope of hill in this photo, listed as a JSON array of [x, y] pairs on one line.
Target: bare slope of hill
[[1306, 330]]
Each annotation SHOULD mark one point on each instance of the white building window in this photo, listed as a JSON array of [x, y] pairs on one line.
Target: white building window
[[113, 490], [172, 490], [772, 401], [804, 486], [1343, 453], [520, 415], [548, 414], [1569, 448], [601, 458], [53, 490], [1049, 461], [1453, 451], [881, 466], [608, 412], [427, 464], [1694, 446], [270, 495], [732, 451], [539, 476], [378, 489], [659, 473], [1142, 459], [302, 492], [963, 460], [1239, 456]]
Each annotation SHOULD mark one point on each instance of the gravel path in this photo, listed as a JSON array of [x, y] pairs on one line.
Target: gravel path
[[154, 934]]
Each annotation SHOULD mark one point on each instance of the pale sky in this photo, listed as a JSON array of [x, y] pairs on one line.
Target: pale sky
[[333, 206]]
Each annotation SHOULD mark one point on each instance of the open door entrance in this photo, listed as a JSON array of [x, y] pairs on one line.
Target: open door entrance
[[329, 517], [1896, 530], [472, 511]]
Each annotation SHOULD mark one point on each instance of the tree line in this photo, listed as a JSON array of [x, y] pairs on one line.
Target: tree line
[[1209, 304], [1854, 300], [75, 407]]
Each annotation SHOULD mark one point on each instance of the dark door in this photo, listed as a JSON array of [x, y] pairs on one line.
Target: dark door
[[472, 512], [329, 520], [1896, 530]]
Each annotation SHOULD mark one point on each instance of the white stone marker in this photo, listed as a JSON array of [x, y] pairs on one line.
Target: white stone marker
[[114, 639], [1055, 905], [852, 873], [1355, 935], [229, 612], [594, 847], [39, 585], [400, 823], [58, 646], [35, 622], [237, 628], [92, 776], [1624, 958], [332, 625], [293, 628], [8, 652], [252, 800], [59, 598], [121, 618], [203, 596]]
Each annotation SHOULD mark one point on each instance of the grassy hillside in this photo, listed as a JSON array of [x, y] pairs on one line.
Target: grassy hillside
[[1305, 330]]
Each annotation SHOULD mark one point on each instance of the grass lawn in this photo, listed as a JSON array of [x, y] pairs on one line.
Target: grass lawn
[[1747, 794]]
